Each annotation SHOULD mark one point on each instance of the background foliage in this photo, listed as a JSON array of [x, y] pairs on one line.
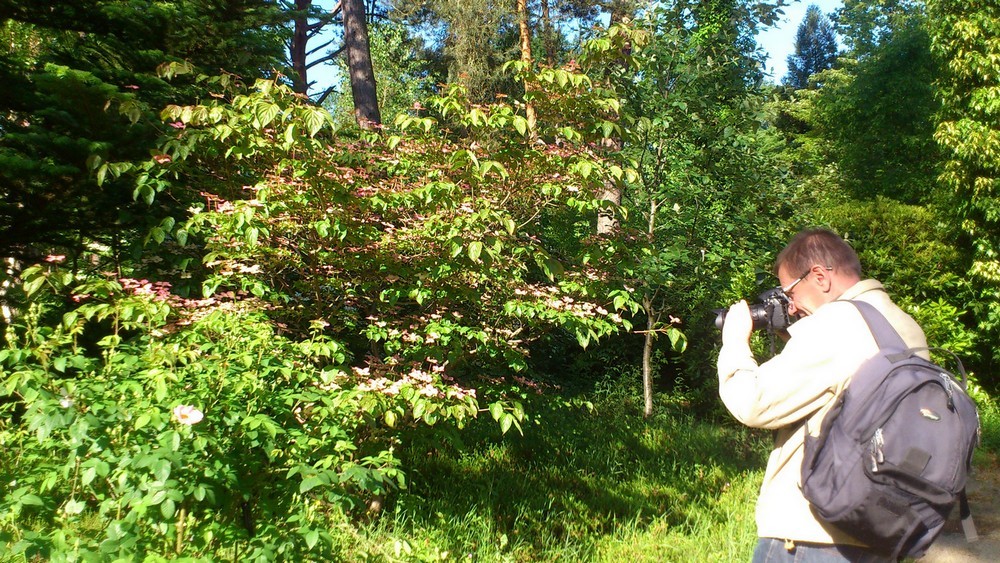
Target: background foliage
[[237, 326]]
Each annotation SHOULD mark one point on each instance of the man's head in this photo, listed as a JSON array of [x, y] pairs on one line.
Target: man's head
[[816, 267]]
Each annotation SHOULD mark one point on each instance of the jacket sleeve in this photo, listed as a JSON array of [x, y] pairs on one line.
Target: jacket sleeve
[[824, 351]]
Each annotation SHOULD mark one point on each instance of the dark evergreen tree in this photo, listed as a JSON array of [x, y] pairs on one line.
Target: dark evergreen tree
[[815, 48], [80, 84]]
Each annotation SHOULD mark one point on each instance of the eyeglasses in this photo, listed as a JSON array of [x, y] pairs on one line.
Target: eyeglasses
[[802, 277]]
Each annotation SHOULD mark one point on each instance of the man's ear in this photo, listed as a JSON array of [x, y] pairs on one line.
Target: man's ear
[[822, 277]]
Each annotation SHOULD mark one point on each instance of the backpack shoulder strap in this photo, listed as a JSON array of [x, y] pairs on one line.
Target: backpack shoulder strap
[[885, 335], [889, 340]]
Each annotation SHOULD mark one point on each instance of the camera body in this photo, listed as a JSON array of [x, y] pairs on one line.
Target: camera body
[[769, 313]]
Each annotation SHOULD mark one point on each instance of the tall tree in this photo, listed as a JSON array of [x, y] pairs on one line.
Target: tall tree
[[319, 36], [815, 48], [701, 182], [964, 37], [879, 115], [303, 30], [864, 25], [471, 40], [524, 29], [359, 64]]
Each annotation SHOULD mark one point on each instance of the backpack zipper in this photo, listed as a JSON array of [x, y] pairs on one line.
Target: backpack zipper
[[875, 449], [948, 389]]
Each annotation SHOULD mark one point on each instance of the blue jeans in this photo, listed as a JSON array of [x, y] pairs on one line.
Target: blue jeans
[[770, 550]]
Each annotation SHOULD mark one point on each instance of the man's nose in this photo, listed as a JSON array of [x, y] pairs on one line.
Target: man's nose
[[792, 309]]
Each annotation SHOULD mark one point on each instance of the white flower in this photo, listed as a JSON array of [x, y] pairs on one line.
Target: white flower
[[186, 414]]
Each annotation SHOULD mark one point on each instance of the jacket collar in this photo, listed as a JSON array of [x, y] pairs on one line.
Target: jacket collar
[[862, 286]]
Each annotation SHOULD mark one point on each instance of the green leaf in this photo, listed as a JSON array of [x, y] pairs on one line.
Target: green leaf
[[315, 118], [32, 285], [161, 470], [157, 234], [74, 507], [266, 113], [312, 536], [477, 117], [475, 250], [31, 500], [167, 508], [509, 225], [551, 267], [157, 497], [310, 483], [88, 476], [505, 422], [521, 125]]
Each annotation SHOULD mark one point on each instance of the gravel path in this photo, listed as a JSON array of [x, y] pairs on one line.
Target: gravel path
[[984, 500]]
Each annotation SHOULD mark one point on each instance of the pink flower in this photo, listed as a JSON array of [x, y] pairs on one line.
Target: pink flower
[[186, 414], [55, 258]]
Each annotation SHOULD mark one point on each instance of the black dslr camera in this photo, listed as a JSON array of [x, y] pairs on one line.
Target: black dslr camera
[[770, 313]]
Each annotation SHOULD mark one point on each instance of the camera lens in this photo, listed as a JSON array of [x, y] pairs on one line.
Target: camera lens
[[758, 312], [720, 317], [761, 315]]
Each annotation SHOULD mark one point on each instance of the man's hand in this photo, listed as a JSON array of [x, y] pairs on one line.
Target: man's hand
[[738, 325]]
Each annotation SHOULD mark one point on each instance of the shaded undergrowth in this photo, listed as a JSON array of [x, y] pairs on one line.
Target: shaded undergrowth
[[588, 481]]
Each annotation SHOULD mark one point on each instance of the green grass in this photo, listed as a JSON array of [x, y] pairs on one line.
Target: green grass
[[579, 485], [601, 485]]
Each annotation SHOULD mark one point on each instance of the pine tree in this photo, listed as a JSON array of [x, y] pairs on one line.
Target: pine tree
[[815, 48]]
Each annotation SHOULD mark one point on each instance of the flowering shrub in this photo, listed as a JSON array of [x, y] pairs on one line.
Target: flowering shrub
[[441, 250], [195, 430]]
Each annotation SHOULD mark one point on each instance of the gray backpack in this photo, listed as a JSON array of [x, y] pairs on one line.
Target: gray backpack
[[893, 454]]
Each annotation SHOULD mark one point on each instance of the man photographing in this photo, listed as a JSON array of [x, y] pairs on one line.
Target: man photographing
[[791, 393]]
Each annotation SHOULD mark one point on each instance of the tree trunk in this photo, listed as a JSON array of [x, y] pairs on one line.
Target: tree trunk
[[611, 193], [522, 24], [297, 50], [652, 317], [612, 190], [359, 64], [647, 358], [548, 35]]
